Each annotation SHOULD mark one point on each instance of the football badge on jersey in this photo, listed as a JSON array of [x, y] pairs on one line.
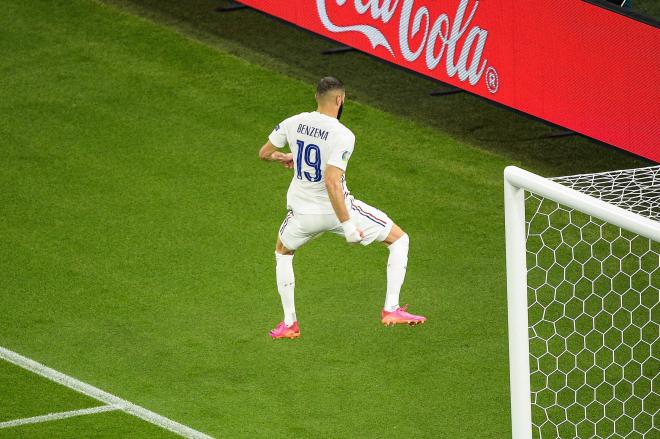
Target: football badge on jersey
[[345, 155]]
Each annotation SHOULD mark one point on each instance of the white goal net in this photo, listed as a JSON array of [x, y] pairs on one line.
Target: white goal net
[[583, 265]]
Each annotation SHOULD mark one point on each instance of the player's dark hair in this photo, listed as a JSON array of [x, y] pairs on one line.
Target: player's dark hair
[[327, 84]]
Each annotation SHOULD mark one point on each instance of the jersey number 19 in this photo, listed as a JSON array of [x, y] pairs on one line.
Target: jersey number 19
[[312, 157]]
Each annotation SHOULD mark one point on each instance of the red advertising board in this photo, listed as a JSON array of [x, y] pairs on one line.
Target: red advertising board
[[569, 62]]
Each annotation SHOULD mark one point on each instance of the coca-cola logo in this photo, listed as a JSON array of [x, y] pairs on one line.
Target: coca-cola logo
[[460, 42]]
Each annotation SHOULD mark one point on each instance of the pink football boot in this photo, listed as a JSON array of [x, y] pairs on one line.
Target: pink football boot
[[400, 317], [282, 331]]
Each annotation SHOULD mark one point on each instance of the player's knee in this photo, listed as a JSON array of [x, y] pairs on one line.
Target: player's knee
[[284, 251], [394, 235], [281, 249], [400, 243]]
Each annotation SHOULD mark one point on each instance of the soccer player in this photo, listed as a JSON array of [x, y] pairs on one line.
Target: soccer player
[[319, 201]]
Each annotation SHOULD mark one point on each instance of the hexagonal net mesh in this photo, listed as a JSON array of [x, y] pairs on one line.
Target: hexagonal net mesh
[[637, 190], [593, 295]]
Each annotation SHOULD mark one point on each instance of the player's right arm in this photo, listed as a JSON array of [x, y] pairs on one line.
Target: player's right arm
[[334, 172], [335, 188]]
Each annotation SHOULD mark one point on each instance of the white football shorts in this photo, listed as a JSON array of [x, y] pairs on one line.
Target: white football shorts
[[297, 229]]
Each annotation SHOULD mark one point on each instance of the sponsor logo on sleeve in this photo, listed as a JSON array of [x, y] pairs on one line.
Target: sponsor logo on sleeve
[[345, 155]]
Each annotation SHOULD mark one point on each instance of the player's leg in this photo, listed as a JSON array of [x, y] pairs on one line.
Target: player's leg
[[279, 248], [286, 281], [397, 242], [395, 233], [285, 278], [377, 226], [295, 231]]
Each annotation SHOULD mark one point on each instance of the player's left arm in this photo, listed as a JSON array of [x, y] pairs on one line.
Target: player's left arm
[[269, 152], [277, 140]]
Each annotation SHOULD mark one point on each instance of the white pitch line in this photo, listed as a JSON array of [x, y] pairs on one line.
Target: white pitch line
[[100, 395], [59, 415]]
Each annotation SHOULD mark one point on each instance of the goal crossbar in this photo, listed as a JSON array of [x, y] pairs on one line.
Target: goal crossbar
[[516, 182], [519, 178]]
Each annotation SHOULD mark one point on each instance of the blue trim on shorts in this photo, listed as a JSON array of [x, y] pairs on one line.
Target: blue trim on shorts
[[368, 215], [286, 221]]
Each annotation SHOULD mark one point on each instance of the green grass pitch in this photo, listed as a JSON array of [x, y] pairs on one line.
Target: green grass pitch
[[137, 230]]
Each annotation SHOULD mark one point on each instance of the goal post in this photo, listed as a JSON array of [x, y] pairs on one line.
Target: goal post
[[583, 287]]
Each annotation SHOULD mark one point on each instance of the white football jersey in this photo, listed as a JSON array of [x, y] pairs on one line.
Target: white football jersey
[[316, 140]]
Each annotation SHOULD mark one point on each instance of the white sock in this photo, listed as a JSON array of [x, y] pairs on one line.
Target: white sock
[[396, 271], [286, 283]]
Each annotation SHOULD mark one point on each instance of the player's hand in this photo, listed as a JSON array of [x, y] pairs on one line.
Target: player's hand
[[356, 236], [351, 232], [285, 159]]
